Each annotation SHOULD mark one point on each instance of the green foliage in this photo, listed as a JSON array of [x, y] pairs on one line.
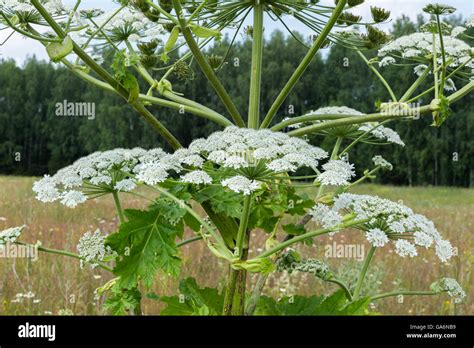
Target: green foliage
[[122, 301], [335, 304], [221, 200], [146, 243], [193, 300]]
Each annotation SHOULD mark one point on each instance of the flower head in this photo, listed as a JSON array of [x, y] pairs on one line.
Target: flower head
[[10, 235], [92, 249]]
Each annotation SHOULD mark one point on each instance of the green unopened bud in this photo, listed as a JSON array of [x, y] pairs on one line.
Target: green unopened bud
[[379, 14], [439, 9], [215, 61], [375, 37], [348, 19]]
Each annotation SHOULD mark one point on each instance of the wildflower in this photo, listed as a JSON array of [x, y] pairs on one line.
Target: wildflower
[[405, 248], [72, 198], [336, 172], [449, 85], [10, 235], [324, 215], [102, 172], [376, 237], [197, 177], [92, 249], [241, 184], [387, 61], [420, 69], [381, 162], [452, 287], [401, 224], [125, 185], [419, 47]]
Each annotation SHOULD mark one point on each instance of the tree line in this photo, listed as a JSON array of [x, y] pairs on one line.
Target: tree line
[[35, 140]]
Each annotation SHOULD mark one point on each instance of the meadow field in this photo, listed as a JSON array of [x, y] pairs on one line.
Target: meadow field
[[57, 285]]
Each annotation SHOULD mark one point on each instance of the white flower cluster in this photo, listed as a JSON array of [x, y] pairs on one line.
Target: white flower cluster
[[381, 162], [241, 184], [452, 287], [377, 131], [108, 170], [325, 216], [336, 173], [92, 249], [54, 7], [10, 235], [235, 149], [133, 24], [419, 46], [387, 221]]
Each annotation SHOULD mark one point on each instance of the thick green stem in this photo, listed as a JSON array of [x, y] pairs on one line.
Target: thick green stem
[[118, 206], [206, 67], [243, 225], [443, 53], [307, 235], [363, 271], [230, 291], [63, 253], [256, 70], [318, 43]]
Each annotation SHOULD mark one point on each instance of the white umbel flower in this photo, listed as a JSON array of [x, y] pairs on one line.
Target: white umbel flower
[[377, 237], [381, 162], [337, 173], [197, 177], [125, 185], [405, 248], [99, 171], [10, 235], [72, 198], [92, 249], [325, 216], [419, 46], [452, 287], [241, 184], [387, 61], [444, 250]]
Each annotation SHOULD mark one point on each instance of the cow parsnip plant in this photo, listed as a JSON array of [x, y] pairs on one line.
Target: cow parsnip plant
[[246, 176]]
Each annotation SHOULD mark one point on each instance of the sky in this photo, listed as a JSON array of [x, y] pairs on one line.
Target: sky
[[20, 49]]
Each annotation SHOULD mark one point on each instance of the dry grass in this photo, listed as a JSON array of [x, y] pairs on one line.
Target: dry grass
[[59, 283]]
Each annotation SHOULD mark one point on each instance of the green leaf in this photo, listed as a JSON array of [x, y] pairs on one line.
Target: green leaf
[[294, 229], [334, 304], [193, 300], [288, 306], [59, 50], [147, 243], [122, 301], [222, 201], [130, 83], [205, 33]]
